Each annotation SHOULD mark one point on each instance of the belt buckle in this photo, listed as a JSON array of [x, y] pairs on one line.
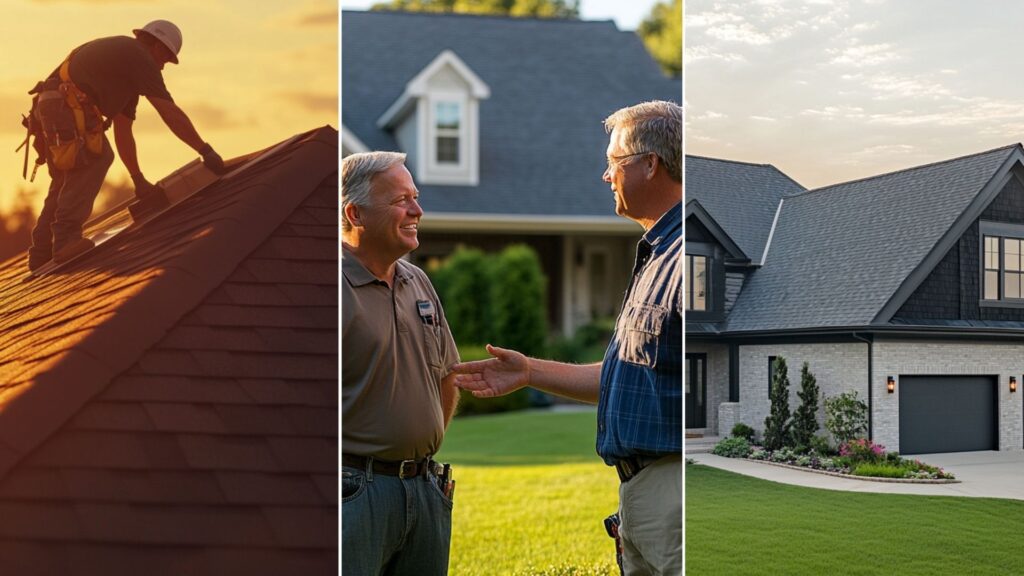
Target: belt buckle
[[401, 469]]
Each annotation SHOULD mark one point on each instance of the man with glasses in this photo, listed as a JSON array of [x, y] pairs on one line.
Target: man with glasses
[[397, 396], [638, 386]]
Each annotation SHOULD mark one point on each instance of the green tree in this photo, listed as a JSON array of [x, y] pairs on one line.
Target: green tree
[[519, 318], [846, 417], [776, 425], [662, 33], [531, 8], [805, 419]]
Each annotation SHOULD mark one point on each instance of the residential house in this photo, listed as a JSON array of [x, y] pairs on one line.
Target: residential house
[[904, 287], [169, 401], [502, 121]]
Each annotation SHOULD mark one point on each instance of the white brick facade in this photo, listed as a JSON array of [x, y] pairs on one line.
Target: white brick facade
[[907, 358]]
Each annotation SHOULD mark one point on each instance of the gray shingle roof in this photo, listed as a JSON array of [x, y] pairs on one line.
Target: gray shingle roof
[[741, 197], [553, 82], [840, 253]]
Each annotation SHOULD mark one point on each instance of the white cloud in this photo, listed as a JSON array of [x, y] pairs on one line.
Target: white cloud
[[764, 119], [862, 55]]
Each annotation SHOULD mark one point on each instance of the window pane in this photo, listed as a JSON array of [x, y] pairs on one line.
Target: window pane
[[689, 281], [991, 253], [1012, 254], [991, 285], [1013, 287], [700, 283], [448, 149], [447, 115]]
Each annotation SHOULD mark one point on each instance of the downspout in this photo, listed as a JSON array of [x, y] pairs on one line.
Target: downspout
[[871, 408]]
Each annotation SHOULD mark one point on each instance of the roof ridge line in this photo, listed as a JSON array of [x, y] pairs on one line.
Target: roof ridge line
[[908, 169], [504, 17]]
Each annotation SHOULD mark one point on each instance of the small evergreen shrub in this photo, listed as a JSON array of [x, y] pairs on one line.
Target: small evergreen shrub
[[741, 430], [732, 448], [518, 311], [776, 424], [805, 419]]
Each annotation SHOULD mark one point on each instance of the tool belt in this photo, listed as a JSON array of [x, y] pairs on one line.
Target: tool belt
[[402, 469], [628, 468], [64, 121]]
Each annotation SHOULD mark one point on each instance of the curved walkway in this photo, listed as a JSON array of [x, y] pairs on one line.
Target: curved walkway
[[981, 475]]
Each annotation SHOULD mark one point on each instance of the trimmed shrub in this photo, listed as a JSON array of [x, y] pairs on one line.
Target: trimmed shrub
[[805, 419], [846, 417], [517, 290], [732, 448], [776, 424], [741, 430], [883, 470], [469, 404], [820, 446], [463, 284]]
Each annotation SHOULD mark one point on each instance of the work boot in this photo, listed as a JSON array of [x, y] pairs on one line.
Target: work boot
[[38, 256], [74, 248], [149, 205]]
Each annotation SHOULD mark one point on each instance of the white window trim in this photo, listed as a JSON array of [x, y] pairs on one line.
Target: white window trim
[[451, 168]]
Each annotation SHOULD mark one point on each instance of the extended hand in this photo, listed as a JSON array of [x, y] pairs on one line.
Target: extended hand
[[507, 372], [212, 160]]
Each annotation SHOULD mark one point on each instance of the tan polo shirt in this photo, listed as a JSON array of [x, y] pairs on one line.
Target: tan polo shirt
[[395, 349]]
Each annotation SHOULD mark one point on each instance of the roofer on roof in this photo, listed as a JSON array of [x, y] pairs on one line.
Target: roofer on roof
[[397, 392], [97, 85]]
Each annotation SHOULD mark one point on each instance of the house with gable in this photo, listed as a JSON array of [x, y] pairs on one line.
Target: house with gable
[[501, 119], [169, 400], [904, 287]]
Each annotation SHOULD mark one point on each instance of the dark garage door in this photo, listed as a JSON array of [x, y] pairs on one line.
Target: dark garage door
[[947, 414]]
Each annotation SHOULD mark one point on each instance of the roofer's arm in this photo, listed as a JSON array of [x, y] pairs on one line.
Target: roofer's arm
[[125, 142], [179, 124], [509, 371]]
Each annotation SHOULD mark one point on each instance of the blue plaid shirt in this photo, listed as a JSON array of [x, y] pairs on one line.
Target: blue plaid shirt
[[640, 412]]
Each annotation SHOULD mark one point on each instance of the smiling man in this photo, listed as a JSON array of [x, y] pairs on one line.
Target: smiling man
[[397, 394]]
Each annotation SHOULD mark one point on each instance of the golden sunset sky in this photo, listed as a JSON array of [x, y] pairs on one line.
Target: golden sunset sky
[[252, 73]]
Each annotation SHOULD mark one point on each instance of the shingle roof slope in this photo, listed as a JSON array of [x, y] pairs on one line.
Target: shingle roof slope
[[170, 401], [741, 197], [839, 253], [553, 82]]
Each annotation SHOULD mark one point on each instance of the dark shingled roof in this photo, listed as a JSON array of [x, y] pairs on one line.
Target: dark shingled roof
[[553, 82], [169, 401], [840, 253], [741, 197]]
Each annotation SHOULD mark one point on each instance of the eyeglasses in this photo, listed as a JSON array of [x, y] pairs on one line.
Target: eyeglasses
[[613, 161]]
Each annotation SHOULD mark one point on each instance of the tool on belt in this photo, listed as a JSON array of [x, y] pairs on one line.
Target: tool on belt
[[406, 469], [63, 120], [611, 526]]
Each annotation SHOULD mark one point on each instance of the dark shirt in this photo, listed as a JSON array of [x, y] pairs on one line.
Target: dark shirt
[[114, 72], [639, 412]]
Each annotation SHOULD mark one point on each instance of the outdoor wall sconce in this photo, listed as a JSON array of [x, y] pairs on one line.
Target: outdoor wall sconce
[[1013, 384], [890, 384]]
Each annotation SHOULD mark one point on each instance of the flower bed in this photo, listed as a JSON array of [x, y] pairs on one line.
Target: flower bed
[[856, 459]]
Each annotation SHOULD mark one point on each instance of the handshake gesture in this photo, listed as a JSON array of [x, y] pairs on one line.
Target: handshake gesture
[[505, 373]]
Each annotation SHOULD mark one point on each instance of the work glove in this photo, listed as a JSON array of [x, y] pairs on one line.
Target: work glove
[[212, 160], [144, 189]]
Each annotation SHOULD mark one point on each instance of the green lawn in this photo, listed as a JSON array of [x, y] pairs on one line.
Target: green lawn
[[531, 495], [738, 525]]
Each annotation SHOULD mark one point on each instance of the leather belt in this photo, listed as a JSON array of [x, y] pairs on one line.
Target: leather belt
[[400, 468], [628, 468]]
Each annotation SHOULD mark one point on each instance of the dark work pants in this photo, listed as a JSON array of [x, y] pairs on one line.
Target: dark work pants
[[68, 204], [392, 526]]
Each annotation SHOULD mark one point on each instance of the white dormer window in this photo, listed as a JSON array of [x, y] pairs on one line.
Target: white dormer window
[[447, 132], [436, 122]]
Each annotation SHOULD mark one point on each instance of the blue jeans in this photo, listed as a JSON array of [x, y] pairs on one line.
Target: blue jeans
[[392, 526]]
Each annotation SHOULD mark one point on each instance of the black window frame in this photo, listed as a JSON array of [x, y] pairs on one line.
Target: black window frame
[[715, 277], [690, 289], [1001, 231]]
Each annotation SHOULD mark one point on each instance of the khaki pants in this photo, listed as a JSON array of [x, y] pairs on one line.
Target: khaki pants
[[651, 512]]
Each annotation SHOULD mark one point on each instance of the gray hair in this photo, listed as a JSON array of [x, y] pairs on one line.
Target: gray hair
[[357, 172], [652, 127]]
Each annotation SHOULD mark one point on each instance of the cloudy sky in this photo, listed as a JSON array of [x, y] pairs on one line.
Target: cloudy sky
[[252, 72], [833, 90]]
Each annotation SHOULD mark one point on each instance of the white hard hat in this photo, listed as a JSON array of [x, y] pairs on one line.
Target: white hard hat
[[167, 33]]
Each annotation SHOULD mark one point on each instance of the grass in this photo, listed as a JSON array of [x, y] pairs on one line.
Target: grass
[[738, 525], [531, 495]]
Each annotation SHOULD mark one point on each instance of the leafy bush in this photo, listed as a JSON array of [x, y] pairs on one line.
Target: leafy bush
[[463, 284], [470, 405], [776, 424], [759, 454], [784, 455], [518, 301], [732, 447], [587, 345], [805, 419], [846, 417], [862, 450], [882, 470], [741, 430], [820, 445]]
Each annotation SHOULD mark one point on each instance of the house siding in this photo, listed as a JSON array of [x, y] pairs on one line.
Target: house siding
[[908, 358], [837, 367], [953, 290]]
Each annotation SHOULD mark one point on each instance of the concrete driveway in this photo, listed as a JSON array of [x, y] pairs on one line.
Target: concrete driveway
[[981, 474]]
